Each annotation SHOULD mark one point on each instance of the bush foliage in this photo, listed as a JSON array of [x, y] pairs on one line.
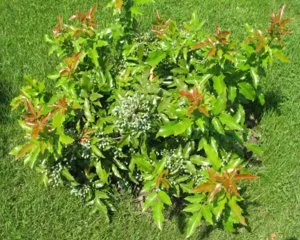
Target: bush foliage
[[161, 114]]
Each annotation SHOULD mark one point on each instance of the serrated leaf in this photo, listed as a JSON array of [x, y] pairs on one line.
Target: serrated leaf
[[157, 213], [193, 222], [164, 197]]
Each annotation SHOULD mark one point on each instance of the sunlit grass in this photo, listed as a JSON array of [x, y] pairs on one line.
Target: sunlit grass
[[30, 211]]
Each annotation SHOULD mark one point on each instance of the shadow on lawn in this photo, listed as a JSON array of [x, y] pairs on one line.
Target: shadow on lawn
[[6, 90]]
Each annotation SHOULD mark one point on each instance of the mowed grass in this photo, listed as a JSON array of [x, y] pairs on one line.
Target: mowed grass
[[30, 211]]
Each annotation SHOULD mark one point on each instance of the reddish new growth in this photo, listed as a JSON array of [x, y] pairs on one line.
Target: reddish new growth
[[223, 181], [34, 119], [160, 27], [277, 27], [161, 179], [87, 18], [72, 63], [195, 100], [57, 30], [219, 38]]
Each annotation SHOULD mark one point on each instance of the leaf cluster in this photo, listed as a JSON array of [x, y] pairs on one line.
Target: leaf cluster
[[162, 114]]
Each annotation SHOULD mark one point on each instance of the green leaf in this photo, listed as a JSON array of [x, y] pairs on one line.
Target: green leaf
[[65, 139], [58, 119], [212, 156], [116, 171], [193, 222], [219, 105], [255, 76], [232, 93], [150, 199], [142, 163], [236, 209], [166, 130], [261, 99], [230, 122], [201, 124], [31, 158], [207, 214], [182, 126], [102, 174], [155, 57], [255, 149], [247, 90], [97, 151], [141, 2], [278, 54], [199, 160], [65, 172], [157, 213], [218, 125], [197, 198], [164, 197], [192, 208], [101, 195], [95, 96], [219, 84], [218, 210], [100, 206], [87, 111]]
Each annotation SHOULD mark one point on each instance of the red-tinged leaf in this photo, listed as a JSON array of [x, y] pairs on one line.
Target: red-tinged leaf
[[25, 149], [239, 177], [217, 189], [204, 110], [200, 45], [119, 5], [281, 12], [206, 187], [212, 52]]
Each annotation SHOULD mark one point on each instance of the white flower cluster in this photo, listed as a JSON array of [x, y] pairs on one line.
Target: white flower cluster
[[133, 114], [55, 175], [81, 191]]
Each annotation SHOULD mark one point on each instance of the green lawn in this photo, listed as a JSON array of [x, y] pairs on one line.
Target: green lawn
[[30, 211]]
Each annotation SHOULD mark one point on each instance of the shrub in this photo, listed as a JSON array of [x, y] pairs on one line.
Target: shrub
[[160, 113]]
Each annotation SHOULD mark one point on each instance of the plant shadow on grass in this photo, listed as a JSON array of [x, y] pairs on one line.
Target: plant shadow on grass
[[273, 98], [6, 91]]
